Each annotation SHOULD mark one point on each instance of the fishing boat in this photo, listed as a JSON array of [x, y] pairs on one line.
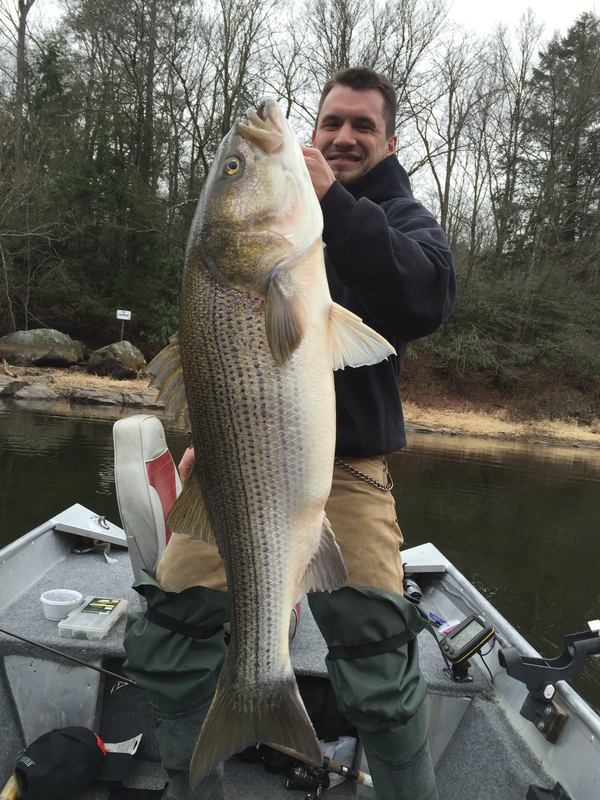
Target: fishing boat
[[504, 723]]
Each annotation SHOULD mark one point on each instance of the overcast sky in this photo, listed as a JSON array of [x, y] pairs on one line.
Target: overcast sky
[[482, 16]]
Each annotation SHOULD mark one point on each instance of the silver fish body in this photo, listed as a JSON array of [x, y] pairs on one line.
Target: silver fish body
[[259, 338]]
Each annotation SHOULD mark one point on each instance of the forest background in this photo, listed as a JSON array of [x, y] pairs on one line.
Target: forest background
[[111, 111]]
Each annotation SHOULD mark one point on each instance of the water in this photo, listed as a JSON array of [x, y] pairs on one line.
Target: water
[[521, 521]]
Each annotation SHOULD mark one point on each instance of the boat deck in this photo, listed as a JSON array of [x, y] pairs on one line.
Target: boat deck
[[477, 753]]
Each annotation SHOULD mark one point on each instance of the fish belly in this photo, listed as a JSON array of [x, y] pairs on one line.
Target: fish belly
[[264, 437]]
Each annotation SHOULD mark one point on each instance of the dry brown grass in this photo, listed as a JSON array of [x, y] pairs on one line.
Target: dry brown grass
[[63, 380], [452, 413], [498, 424]]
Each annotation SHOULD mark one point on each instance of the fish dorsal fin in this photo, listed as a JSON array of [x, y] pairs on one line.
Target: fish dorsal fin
[[286, 318], [354, 344], [168, 377], [327, 570], [189, 514]]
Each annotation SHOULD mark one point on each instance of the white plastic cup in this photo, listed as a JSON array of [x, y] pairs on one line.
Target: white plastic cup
[[58, 603]]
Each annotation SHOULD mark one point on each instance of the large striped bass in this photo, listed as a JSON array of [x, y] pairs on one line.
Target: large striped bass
[[259, 337]]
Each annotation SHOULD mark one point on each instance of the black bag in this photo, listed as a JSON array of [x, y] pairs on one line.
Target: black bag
[[321, 704]]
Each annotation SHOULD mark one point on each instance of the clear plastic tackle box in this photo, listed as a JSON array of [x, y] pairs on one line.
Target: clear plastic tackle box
[[93, 619]]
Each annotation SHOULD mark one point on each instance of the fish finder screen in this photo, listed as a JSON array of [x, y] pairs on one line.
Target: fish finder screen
[[469, 632]]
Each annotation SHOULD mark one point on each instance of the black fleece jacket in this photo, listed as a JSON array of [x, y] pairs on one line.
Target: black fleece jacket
[[389, 262]]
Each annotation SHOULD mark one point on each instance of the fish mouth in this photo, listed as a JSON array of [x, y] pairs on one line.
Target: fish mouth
[[263, 128]]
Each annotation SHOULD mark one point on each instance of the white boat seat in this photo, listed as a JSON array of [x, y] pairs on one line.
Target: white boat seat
[[147, 484]]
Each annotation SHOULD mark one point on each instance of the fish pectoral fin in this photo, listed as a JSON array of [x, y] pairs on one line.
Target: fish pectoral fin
[[233, 723], [327, 570], [354, 344], [286, 318], [189, 514], [168, 377]]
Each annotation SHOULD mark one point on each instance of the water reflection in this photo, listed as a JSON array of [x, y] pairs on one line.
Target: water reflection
[[520, 520], [50, 460]]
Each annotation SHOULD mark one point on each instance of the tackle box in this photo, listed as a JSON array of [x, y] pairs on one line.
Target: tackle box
[[93, 619]]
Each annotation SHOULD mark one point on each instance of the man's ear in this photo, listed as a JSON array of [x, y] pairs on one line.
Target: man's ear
[[313, 137], [392, 144]]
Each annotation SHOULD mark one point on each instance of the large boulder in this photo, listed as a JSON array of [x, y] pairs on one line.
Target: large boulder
[[120, 360], [42, 347]]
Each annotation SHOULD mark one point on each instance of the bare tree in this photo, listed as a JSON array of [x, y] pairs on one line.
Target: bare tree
[[502, 135], [442, 110], [14, 15]]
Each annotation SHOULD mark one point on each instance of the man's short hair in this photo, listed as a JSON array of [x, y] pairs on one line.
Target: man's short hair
[[361, 78]]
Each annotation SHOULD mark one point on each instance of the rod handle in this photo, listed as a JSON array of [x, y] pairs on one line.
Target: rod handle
[[12, 789]]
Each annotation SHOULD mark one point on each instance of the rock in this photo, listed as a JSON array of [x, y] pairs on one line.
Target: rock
[[36, 391], [93, 395], [120, 360], [9, 386], [112, 397], [142, 399], [43, 347]]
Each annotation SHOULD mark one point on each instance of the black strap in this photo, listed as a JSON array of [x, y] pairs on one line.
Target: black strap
[[177, 626], [348, 652]]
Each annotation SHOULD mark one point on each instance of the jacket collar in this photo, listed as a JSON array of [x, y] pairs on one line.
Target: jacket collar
[[385, 180]]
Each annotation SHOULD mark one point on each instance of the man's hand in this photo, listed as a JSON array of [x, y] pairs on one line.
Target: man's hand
[[319, 170], [186, 464]]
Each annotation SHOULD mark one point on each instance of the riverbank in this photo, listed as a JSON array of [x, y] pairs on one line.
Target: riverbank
[[447, 414]]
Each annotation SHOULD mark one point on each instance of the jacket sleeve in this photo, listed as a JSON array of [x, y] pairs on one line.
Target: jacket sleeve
[[394, 257]]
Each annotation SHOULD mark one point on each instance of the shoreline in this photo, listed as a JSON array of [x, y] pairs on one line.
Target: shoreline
[[494, 424], [452, 416]]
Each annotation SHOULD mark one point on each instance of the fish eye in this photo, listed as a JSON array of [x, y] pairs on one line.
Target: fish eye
[[232, 166]]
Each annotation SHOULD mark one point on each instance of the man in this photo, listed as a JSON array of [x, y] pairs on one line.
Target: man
[[388, 261]]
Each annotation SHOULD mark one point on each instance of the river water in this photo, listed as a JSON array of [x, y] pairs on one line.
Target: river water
[[521, 521]]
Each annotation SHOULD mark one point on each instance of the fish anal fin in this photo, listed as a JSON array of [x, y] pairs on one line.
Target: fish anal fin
[[286, 318], [354, 344], [326, 571], [236, 721], [189, 513]]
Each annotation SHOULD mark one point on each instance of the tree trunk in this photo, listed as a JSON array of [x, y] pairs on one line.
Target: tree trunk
[[24, 9]]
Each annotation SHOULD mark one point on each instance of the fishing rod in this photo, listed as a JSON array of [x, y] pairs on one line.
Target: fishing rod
[[308, 777], [303, 775], [69, 657], [12, 790]]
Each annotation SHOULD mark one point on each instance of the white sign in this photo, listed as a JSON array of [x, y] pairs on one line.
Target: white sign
[[123, 314]]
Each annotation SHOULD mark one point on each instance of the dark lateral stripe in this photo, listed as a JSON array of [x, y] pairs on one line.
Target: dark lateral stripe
[[183, 628], [348, 652]]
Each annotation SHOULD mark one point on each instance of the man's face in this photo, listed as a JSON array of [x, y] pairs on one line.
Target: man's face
[[351, 132]]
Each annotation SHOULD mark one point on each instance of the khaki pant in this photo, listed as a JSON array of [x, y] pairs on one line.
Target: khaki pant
[[363, 518], [382, 695]]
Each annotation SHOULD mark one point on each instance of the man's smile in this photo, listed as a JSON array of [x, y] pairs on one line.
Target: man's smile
[[346, 157]]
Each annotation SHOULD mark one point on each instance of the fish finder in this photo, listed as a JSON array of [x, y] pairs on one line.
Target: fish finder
[[466, 638]]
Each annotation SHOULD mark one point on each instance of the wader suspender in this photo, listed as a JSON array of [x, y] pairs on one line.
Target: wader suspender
[[348, 652], [184, 628]]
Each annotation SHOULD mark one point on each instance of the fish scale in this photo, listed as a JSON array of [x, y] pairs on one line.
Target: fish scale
[[226, 417], [258, 342]]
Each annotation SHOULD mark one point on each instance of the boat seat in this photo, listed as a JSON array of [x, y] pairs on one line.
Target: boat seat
[[147, 484]]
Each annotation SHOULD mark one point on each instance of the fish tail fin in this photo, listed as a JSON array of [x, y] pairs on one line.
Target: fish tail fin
[[354, 344], [234, 722]]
